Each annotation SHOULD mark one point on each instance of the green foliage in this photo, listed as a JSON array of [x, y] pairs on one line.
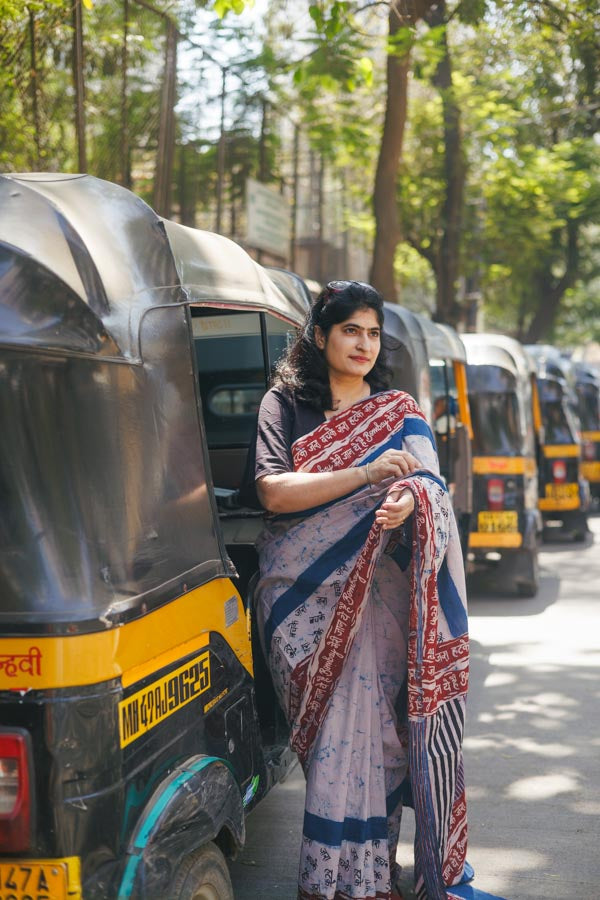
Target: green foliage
[[222, 7]]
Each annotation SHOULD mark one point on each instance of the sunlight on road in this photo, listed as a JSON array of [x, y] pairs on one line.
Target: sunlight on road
[[542, 787]]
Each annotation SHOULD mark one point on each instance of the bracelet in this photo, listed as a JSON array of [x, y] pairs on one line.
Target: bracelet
[[367, 474]]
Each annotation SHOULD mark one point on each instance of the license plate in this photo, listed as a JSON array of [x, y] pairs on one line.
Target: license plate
[[492, 522], [562, 491], [24, 880]]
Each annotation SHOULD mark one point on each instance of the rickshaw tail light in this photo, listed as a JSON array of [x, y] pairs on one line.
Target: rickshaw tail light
[[495, 493], [559, 470], [15, 792]]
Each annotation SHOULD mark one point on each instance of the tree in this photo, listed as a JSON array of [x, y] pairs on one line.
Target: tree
[[402, 19]]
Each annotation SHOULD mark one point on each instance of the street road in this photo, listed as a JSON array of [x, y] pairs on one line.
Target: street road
[[532, 748]]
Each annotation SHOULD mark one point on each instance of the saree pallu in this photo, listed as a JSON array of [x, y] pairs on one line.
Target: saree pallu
[[365, 631]]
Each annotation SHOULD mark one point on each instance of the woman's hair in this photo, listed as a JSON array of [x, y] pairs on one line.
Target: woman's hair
[[303, 368]]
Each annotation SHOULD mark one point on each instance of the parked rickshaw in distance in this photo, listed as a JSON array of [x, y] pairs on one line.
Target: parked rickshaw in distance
[[585, 379], [505, 413], [428, 361], [564, 493], [138, 722]]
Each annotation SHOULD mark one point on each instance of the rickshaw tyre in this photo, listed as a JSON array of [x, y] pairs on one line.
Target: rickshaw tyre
[[528, 587], [203, 875]]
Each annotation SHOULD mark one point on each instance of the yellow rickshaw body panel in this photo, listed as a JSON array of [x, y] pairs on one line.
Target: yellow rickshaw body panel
[[130, 652]]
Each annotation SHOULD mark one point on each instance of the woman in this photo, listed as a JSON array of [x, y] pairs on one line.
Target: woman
[[361, 596]]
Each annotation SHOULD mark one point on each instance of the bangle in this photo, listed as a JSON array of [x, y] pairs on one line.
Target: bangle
[[367, 474]]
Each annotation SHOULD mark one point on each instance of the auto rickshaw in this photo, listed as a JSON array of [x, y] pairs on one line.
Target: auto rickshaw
[[564, 496], [586, 384], [428, 361], [506, 523], [138, 721]]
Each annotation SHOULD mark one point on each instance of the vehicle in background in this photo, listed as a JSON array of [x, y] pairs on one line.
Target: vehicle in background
[[586, 385], [564, 493], [138, 720], [429, 362], [505, 415]]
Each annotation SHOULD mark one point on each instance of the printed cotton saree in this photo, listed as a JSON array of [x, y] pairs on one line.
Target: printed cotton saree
[[365, 631]]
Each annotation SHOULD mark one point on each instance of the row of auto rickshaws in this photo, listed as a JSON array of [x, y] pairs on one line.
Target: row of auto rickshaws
[[138, 723]]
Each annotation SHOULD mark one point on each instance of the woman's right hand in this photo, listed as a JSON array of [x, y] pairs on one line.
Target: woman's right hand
[[392, 464]]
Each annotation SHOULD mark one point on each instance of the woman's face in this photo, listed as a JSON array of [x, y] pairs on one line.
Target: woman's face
[[352, 347]]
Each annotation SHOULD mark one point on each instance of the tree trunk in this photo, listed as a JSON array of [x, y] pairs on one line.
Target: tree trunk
[[34, 87], [125, 161], [166, 128], [447, 308], [402, 14], [78, 80], [552, 290]]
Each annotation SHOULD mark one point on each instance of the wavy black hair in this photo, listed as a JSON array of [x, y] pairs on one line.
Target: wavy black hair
[[303, 369]]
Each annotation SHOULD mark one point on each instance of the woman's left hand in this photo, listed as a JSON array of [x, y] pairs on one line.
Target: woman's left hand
[[396, 508]]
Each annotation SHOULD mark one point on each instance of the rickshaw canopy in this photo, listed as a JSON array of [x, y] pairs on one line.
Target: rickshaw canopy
[[100, 257], [104, 469]]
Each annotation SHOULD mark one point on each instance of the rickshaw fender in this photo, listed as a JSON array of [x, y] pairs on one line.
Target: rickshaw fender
[[200, 801]]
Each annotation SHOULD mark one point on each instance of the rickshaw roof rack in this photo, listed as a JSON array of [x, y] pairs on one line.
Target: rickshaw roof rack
[[100, 258], [500, 350]]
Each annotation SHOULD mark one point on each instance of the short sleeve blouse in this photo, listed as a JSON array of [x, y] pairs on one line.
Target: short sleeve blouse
[[281, 420]]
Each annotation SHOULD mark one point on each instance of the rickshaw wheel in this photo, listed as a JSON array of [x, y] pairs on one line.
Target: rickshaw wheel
[[528, 587], [203, 875]]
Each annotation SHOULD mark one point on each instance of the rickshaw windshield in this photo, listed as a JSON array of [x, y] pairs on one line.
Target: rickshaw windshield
[[494, 411], [588, 406]]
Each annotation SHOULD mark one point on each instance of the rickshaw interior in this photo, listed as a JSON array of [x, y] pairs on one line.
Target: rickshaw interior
[[235, 352]]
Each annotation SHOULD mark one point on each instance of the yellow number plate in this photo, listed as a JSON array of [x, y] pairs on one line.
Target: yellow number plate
[[492, 522], [562, 491], [150, 706], [24, 880]]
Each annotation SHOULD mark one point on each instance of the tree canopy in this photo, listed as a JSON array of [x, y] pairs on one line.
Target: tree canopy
[[462, 135]]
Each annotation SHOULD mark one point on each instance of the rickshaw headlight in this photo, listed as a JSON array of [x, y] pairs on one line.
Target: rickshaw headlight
[[15, 791]]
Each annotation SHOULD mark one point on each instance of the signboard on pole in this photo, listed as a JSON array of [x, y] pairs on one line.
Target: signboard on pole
[[268, 219]]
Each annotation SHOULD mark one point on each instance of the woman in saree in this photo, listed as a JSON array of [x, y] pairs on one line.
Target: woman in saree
[[361, 608]]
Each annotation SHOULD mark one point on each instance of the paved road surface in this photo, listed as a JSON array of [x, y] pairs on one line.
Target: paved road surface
[[532, 751]]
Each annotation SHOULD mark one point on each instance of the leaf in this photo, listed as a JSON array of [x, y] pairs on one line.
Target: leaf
[[89, 4]]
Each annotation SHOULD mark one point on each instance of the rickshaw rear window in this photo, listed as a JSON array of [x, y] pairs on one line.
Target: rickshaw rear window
[[495, 420], [490, 379], [556, 423]]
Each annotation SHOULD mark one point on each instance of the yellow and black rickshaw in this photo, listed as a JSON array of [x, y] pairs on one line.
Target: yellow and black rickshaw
[[428, 360], [563, 491], [586, 383], [505, 413], [138, 722]]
